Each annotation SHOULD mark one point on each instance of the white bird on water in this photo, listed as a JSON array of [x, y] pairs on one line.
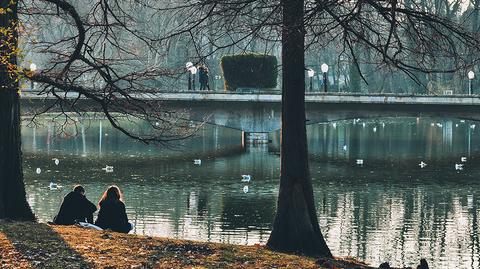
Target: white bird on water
[[345, 147], [458, 166], [38, 171], [463, 159], [245, 189], [246, 178], [108, 169], [422, 164], [57, 161], [53, 186], [197, 162], [360, 161]]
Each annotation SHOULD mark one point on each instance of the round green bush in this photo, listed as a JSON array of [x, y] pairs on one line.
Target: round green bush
[[249, 70]]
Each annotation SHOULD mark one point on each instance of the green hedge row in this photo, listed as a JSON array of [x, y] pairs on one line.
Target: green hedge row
[[249, 70]]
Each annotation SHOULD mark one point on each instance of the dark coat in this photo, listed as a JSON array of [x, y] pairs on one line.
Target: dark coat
[[203, 76], [113, 216], [75, 207]]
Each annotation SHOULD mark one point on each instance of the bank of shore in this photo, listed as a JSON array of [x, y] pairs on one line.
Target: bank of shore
[[38, 245]]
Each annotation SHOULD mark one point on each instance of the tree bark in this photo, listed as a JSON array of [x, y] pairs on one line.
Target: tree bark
[[295, 228], [13, 203]]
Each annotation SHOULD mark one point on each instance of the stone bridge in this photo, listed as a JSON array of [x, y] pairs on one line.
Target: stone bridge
[[260, 113]]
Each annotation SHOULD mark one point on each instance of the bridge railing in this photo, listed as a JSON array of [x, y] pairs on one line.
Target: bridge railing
[[278, 92]]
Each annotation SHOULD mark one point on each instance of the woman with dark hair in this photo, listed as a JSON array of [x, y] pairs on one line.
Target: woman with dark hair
[[112, 214]]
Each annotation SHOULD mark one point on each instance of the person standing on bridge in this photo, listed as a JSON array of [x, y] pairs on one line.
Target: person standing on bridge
[[203, 78]]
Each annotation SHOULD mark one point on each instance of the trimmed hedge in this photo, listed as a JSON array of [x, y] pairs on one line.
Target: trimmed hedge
[[249, 70]]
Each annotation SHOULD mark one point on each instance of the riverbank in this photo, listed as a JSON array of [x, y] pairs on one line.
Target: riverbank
[[38, 245]]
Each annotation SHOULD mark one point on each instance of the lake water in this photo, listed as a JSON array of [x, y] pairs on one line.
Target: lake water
[[389, 209]]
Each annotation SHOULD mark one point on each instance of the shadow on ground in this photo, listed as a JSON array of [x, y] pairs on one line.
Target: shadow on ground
[[42, 248]]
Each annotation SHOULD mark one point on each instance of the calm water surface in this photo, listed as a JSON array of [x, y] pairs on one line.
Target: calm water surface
[[388, 209]]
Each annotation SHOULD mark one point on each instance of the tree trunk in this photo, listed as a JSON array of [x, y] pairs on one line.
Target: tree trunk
[[475, 16], [355, 79], [295, 228], [13, 204]]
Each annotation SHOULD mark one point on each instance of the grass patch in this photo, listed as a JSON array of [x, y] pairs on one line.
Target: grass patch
[[37, 245]]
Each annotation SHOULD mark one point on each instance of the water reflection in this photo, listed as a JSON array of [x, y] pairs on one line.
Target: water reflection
[[389, 209], [392, 139]]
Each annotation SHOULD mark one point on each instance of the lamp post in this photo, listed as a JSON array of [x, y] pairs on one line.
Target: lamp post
[[471, 76], [188, 65], [217, 81], [33, 68], [311, 73], [324, 68], [193, 71]]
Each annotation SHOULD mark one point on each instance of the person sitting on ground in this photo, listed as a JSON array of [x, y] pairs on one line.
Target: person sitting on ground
[[112, 214], [75, 208]]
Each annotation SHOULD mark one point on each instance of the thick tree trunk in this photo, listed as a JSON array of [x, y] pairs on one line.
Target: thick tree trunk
[[13, 204], [295, 228]]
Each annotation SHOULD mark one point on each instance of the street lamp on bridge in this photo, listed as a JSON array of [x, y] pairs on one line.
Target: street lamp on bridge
[[311, 73], [324, 68], [33, 68], [217, 81], [188, 65], [193, 71], [471, 76]]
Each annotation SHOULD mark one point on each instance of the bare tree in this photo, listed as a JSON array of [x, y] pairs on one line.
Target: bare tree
[[12, 191], [96, 57], [405, 37], [103, 60]]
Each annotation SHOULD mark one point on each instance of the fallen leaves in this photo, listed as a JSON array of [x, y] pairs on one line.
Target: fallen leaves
[[34, 245]]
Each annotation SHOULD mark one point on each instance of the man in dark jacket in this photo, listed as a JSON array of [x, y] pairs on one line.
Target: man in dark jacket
[[203, 78], [75, 208]]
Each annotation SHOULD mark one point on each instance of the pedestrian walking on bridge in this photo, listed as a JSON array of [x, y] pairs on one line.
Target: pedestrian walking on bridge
[[203, 78]]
